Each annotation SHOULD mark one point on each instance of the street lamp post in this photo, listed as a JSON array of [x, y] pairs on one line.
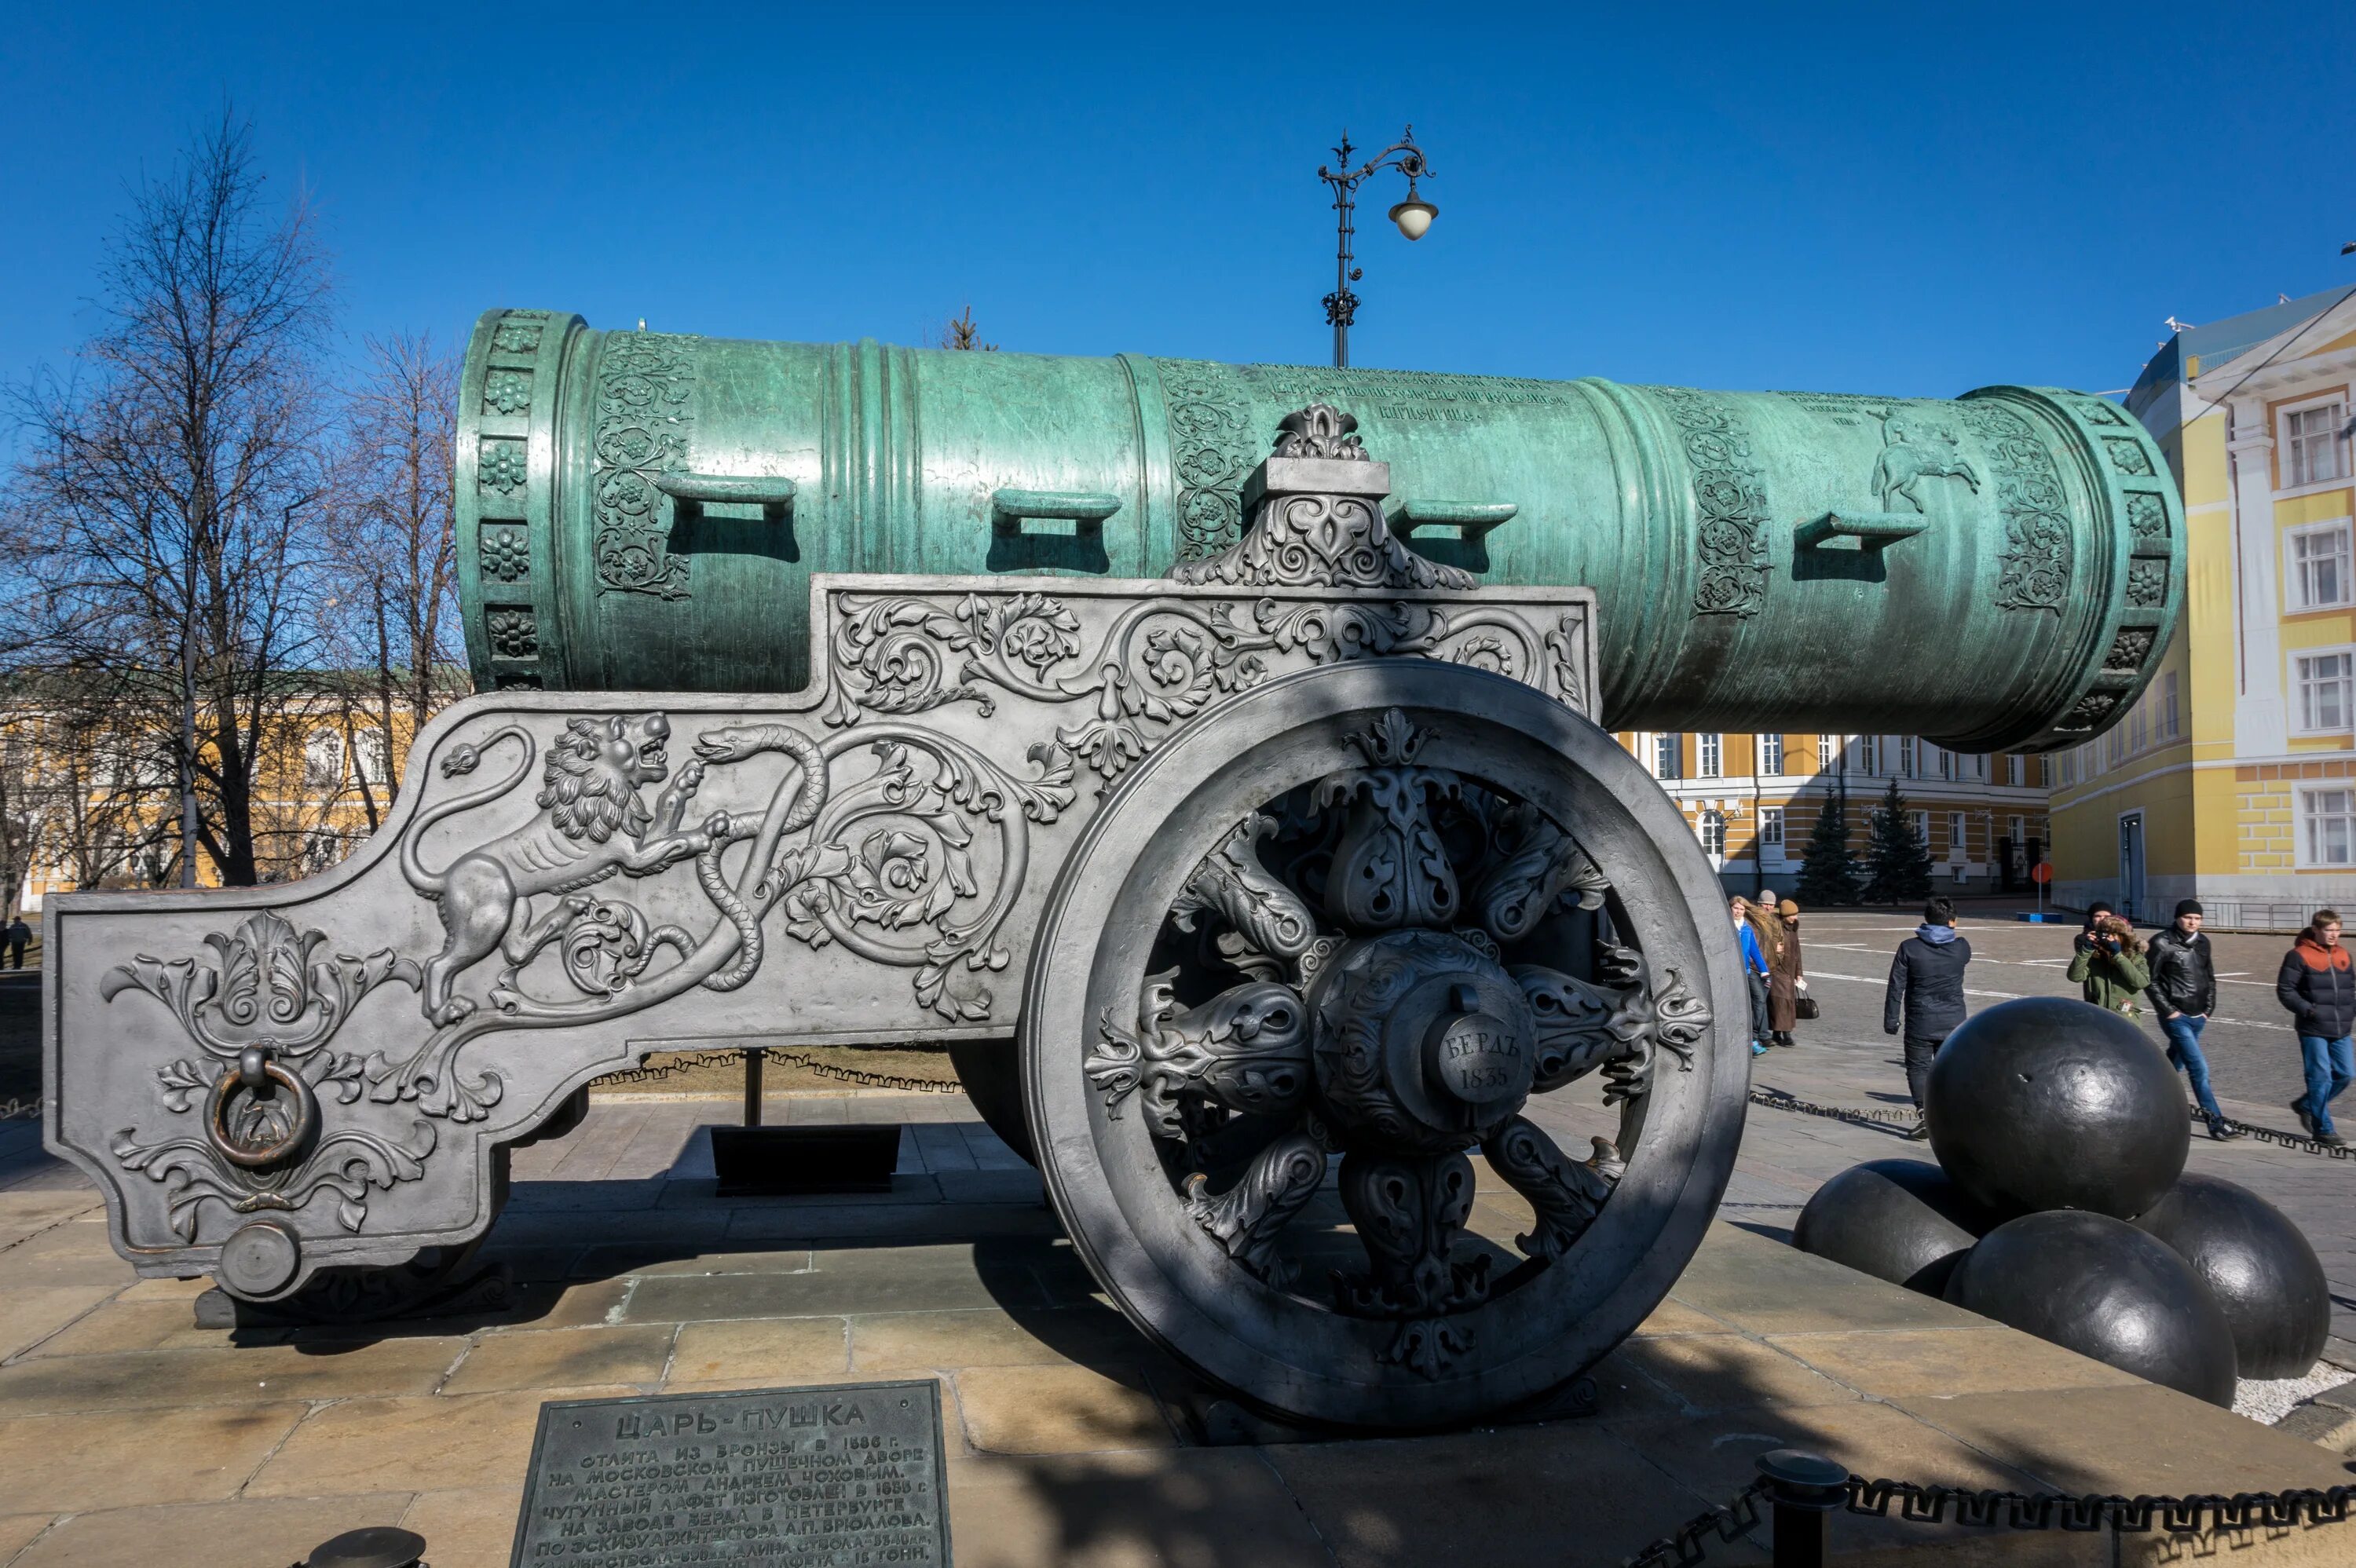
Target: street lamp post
[[1413, 216]]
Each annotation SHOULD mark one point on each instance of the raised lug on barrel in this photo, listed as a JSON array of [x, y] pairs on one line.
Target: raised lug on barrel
[[728, 489], [1084, 508], [1471, 519], [1871, 530]]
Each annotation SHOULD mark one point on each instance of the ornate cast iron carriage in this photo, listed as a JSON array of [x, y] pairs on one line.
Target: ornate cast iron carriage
[[1301, 869]]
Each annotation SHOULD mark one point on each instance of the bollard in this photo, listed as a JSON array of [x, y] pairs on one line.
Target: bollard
[[375, 1546], [1805, 1489]]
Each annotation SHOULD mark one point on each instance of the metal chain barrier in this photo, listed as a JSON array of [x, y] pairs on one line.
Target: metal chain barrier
[[823, 1069], [1804, 1489], [2288, 1140], [1684, 1547], [1778, 1098], [19, 1110]]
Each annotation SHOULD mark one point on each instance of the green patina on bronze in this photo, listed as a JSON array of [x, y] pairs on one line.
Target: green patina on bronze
[[644, 511]]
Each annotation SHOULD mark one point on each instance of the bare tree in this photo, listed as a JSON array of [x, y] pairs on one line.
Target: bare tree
[[165, 490], [390, 607], [959, 332]]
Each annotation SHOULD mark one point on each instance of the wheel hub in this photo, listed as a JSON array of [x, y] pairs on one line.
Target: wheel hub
[[1423, 1043]]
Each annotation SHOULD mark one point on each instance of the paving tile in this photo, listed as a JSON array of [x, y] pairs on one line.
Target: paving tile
[[988, 1336], [30, 1314], [1765, 1287], [66, 1253], [167, 1289], [1060, 1410], [1726, 1372], [474, 1528], [132, 1458], [250, 1375], [25, 1211], [786, 1260], [2141, 1438], [238, 1534], [1189, 1508], [146, 1326], [1890, 1362], [911, 1222], [761, 1352], [563, 1358], [16, 1529], [1674, 1317], [1563, 1492], [851, 1279], [431, 1442]]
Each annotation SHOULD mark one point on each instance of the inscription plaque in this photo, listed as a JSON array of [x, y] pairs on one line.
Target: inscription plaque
[[844, 1476]]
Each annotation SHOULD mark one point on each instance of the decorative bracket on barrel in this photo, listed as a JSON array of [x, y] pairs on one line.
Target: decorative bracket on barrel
[[1871, 530]]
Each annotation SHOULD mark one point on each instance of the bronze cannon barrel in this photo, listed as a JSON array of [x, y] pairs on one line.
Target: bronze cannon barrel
[[645, 510]]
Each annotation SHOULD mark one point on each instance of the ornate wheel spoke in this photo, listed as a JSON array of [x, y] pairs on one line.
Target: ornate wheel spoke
[[1276, 1186], [1566, 1195]]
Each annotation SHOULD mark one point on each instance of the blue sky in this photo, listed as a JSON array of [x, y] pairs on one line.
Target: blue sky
[[1893, 198]]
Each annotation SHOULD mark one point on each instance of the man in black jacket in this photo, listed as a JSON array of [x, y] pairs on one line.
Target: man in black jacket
[[2318, 986], [2183, 990], [1926, 995]]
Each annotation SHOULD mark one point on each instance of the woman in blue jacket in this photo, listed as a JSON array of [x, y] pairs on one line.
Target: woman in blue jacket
[[1754, 970]]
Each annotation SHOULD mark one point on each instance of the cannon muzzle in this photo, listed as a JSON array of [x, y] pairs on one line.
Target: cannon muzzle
[[645, 510]]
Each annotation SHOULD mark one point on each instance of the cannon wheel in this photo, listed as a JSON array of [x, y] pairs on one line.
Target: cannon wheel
[[1187, 1139]]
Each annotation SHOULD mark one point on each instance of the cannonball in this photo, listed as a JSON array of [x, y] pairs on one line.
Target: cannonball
[[2257, 1264], [2103, 1288], [1899, 1219], [2051, 1103]]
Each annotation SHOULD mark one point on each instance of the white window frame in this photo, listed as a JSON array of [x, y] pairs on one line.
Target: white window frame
[[325, 765], [2346, 458], [1771, 830], [1910, 757], [1710, 755], [1709, 826], [374, 756], [1955, 836], [2016, 771], [2296, 689], [2295, 601], [1923, 829], [1771, 755], [2306, 858], [1668, 755]]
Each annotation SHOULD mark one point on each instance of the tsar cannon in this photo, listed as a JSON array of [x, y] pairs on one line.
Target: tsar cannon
[[1221, 776]]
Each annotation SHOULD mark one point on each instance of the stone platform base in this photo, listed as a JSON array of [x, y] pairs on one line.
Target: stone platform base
[[125, 1429]]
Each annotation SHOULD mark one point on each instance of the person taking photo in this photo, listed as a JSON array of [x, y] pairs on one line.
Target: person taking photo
[[2183, 990], [2109, 963]]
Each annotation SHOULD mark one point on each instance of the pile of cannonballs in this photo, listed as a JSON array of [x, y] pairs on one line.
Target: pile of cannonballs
[[2060, 1206]]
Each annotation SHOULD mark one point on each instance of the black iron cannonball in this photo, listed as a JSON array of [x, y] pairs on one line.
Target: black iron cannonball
[[1899, 1219], [2259, 1267], [2103, 1288], [2051, 1102]]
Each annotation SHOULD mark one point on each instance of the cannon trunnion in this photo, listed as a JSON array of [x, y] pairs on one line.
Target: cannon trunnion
[[1279, 896], [645, 511]]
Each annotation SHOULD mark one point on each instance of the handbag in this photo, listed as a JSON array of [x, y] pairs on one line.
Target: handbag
[[1804, 1007]]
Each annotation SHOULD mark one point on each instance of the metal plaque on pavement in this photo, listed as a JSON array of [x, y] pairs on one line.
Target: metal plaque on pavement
[[844, 1476]]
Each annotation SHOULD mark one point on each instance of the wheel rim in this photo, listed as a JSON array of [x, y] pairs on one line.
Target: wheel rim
[[1404, 1356]]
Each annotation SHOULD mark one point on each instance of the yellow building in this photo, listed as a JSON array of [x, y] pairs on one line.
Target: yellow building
[[2233, 779], [1753, 800]]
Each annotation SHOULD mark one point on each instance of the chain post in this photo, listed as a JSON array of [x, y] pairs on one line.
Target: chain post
[[1805, 1489]]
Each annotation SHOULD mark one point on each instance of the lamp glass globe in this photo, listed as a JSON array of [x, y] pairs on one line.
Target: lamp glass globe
[[1414, 215]]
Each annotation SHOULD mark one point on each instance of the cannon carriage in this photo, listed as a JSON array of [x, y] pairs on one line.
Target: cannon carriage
[[1246, 828]]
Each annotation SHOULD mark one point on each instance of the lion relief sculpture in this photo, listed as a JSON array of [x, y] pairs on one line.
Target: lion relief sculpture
[[592, 824]]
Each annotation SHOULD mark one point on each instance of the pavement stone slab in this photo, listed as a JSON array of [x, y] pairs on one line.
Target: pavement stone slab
[[17, 1529], [428, 1442], [563, 1358], [1721, 1372], [773, 1350], [1891, 1363], [249, 1375], [1090, 1335], [30, 1314], [1175, 1509], [127, 1458], [240, 1534], [1061, 1409], [471, 1527]]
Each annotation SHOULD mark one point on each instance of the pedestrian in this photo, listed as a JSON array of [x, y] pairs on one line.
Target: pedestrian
[[1781, 946], [2316, 986], [2183, 990], [1925, 997], [2110, 963], [1789, 913], [1754, 969], [19, 935], [2085, 937]]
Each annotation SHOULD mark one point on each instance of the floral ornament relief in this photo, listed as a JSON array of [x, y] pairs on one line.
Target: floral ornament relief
[[262, 1007], [1730, 505], [507, 392], [646, 411], [2035, 571], [502, 466], [506, 552]]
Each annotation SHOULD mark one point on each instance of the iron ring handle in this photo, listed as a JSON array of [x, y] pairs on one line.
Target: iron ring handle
[[306, 1118]]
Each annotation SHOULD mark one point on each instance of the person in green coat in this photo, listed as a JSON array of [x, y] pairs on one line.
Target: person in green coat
[[2110, 963]]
